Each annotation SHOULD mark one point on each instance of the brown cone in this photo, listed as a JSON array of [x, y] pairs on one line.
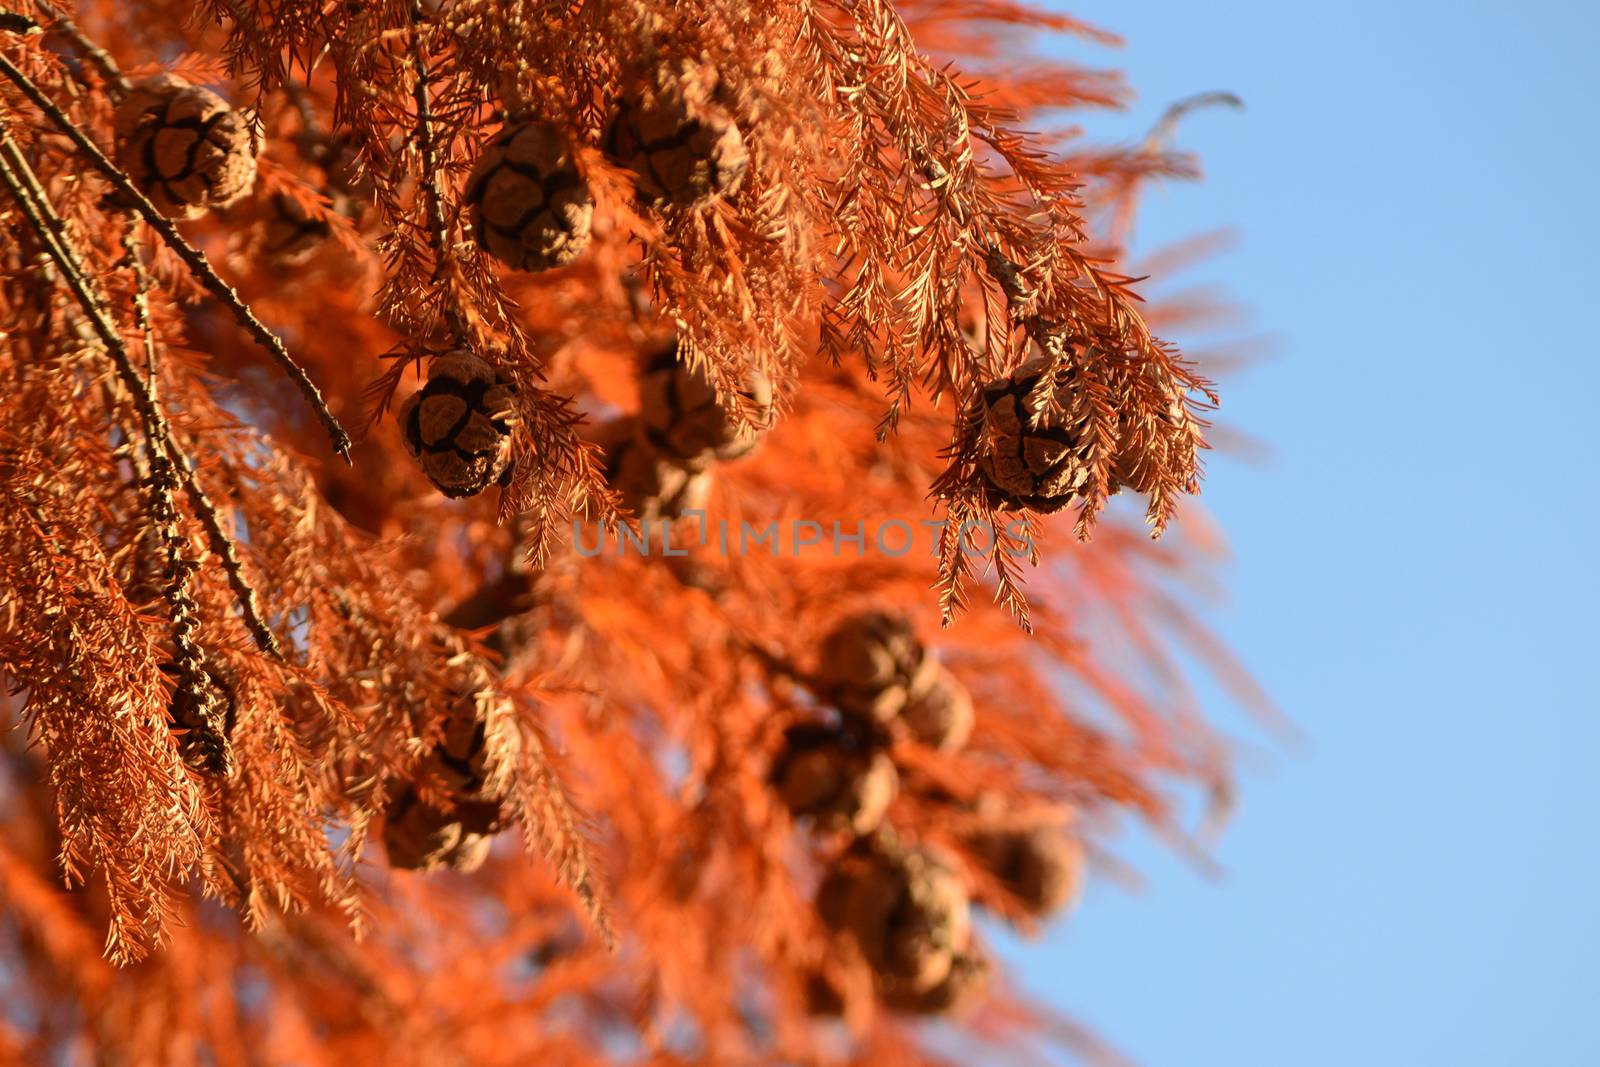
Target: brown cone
[[650, 484], [419, 837], [1041, 866], [183, 146], [458, 425], [908, 914], [840, 787], [290, 236], [1039, 464], [684, 149], [682, 419], [529, 206], [941, 716], [871, 664], [953, 996]]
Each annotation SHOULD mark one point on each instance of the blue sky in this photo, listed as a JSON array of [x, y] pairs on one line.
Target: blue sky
[[1415, 187]]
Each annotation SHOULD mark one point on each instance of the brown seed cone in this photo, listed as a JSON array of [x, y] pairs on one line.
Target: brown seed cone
[[458, 425], [909, 914], [1149, 446], [953, 996], [183, 146], [529, 206], [682, 419], [290, 236], [651, 485], [842, 786], [872, 664], [940, 717], [1041, 866], [419, 837], [1040, 464], [683, 149]]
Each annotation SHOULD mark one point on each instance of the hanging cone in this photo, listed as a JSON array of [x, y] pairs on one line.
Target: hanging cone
[[871, 664], [909, 914], [183, 146], [681, 416], [684, 149], [941, 716], [1040, 463], [1041, 866], [651, 485], [842, 786], [529, 206], [954, 995], [458, 425]]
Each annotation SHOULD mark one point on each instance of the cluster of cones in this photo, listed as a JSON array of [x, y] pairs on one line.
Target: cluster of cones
[[904, 910], [530, 206]]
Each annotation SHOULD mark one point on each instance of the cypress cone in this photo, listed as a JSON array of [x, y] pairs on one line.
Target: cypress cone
[[871, 664], [683, 148], [821, 774], [1034, 461], [908, 913], [650, 484], [458, 425], [183, 146], [941, 716], [528, 205], [681, 417]]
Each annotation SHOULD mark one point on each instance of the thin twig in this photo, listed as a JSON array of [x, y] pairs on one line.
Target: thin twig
[[221, 543], [97, 56], [192, 257], [429, 179], [196, 705]]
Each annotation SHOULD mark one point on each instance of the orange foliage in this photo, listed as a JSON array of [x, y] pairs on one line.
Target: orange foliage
[[230, 653]]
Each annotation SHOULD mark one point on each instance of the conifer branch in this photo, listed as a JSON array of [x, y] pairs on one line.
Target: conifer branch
[[221, 542], [36, 208], [196, 704], [97, 56], [433, 193], [192, 257]]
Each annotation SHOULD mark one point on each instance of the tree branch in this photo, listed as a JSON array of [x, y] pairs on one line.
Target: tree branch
[[192, 257]]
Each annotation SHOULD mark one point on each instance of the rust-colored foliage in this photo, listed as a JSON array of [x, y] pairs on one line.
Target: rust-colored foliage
[[278, 621]]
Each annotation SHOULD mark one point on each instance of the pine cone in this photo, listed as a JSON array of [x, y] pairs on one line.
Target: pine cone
[[651, 485], [290, 235], [420, 837], [1039, 464], [1041, 866], [458, 425], [908, 913], [872, 664], [183, 146], [842, 785], [682, 418], [683, 148], [529, 206], [941, 717]]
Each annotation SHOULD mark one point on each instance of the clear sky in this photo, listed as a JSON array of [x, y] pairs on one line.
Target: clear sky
[[1415, 185]]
